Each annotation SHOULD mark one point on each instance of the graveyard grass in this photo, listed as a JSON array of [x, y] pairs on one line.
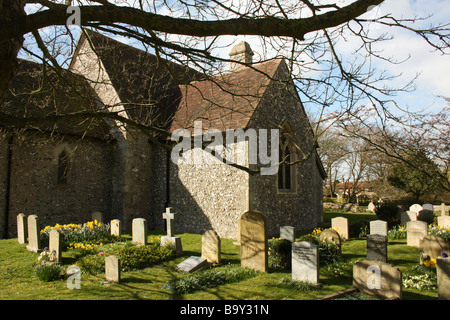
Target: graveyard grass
[[18, 281]]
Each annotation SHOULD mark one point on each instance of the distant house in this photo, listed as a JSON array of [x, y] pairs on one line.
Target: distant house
[[65, 172], [358, 190]]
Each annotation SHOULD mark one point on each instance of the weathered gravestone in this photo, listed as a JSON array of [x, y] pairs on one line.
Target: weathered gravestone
[[97, 215], [379, 227], [253, 240], [425, 215], [444, 221], [192, 264], [55, 245], [21, 228], [116, 227], [408, 216], [331, 235], [305, 262], [287, 233], [170, 238], [371, 207], [415, 208], [340, 224], [33, 233], [376, 247], [427, 206], [139, 231], [211, 247], [112, 269], [443, 278], [378, 278], [415, 231], [432, 246]]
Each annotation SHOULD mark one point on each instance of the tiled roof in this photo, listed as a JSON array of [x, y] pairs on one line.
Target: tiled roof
[[226, 101]]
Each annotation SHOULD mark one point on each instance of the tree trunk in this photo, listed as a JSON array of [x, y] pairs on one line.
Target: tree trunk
[[9, 10]]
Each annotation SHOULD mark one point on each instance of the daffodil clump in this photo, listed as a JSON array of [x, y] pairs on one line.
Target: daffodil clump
[[91, 232], [443, 232]]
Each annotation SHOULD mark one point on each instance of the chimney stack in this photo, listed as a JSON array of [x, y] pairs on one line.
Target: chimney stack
[[241, 53]]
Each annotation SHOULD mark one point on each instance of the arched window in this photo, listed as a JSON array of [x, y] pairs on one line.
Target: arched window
[[286, 156], [63, 167]]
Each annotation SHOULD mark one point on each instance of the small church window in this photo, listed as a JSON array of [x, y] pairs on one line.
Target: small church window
[[285, 171], [63, 167]]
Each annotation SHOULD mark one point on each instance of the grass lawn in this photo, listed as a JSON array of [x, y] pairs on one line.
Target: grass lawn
[[18, 281]]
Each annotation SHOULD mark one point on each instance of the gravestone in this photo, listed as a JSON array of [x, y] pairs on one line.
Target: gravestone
[[305, 262], [253, 240], [340, 224], [432, 246], [116, 227], [112, 269], [378, 278], [415, 208], [175, 242], [170, 238], [192, 264], [288, 233], [444, 221], [139, 231], [408, 216], [21, 228], [55, 245], [331, 235], [379, 227], [427, 206], [425, 215], [415, 231], [170, 217], [443, 278], [97, 215], [371, 207], [211, 247], [376, 247], [33, 233]]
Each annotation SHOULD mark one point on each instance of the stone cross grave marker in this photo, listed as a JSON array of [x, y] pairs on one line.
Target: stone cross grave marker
[[33, 233], [443, 278], [55, 245], [211, 247], [379, 227], [444, 221], [21, 228], [376, 247], [254, 245], [443, 209], [378, 278], [170, 217], [288, 233], [139, 231], [192, 264], [340, 224], [116, 227], [415, 231], [305, 262], [112, 269]]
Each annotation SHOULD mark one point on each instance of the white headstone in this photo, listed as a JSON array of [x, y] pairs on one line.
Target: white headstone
[[305, 262], [443, 221], [33, 233], [371, 207], [116, 227], [139, 230], [21, 228], [112, 269], [211, 247], [415, 231], [340, 224], [416, 208], [55, 245], [379, 227], [288, 233], [192, 264]]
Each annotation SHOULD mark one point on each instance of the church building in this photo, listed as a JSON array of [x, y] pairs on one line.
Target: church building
[[103, 137]]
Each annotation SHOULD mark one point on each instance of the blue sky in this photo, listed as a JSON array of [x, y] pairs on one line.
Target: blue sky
[[433, 67]]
